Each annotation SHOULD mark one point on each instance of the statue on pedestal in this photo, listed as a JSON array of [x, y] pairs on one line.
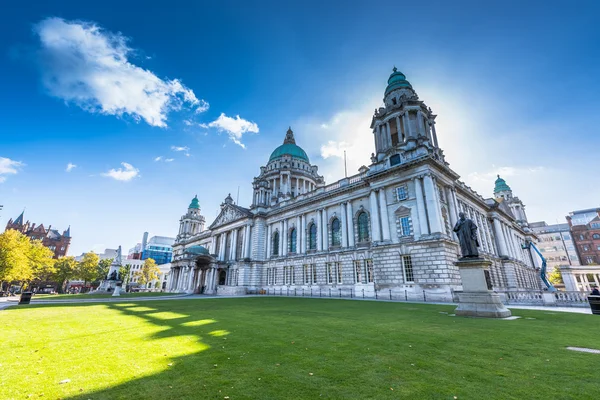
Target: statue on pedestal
[[114, 276], [466, 230]]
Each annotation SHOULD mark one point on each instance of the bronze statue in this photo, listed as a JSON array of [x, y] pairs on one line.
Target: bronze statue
[[466, 230], [114, 276]]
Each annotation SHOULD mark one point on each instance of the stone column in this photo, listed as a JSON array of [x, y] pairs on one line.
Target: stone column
[[350, 219], [388, 135], [375, 227], [451, 209], [323, 228], [298, 236], [432, 205], [268, 241], [408, 131], [344, 241], [420, 128], [247, 241], [319, 230], [304, 235], [421, 207], [233, 244], [284, 231], [434, 134], [191, 281], [385, 222], [500, 238], [400, 138]]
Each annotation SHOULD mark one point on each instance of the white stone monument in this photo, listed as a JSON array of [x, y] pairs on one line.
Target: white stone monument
[[112, 283], [477, 298]]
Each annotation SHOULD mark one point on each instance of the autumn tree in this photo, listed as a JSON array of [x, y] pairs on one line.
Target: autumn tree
[[22, 259], [148, 273], [87, 268], [555, 276]]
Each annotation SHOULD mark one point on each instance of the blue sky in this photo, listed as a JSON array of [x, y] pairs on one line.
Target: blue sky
[[514, 85]]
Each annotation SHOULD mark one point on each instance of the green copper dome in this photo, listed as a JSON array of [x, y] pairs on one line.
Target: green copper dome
[[289, 148], [195, 204], [397, 80], [501, 185], [196, 250]]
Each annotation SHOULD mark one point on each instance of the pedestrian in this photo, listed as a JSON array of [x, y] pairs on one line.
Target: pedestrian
[[595, 291]]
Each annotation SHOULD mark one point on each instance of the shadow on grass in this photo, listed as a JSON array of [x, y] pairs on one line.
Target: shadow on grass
[[181, 373]]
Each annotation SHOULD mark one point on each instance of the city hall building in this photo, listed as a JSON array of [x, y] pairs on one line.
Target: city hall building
[[387, 228]]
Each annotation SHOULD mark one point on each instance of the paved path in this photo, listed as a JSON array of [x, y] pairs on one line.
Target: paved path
[[11, 301]]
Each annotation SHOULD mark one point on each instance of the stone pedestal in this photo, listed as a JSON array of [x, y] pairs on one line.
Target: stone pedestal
[[117, 291], [477, 298]]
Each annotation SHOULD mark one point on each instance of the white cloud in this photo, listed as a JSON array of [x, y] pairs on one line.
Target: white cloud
[[70, 167], [504, 172], [169, 159], [125, 174], [9, 167], [180, 148], [235, 127], [158, 158], [87, 66]]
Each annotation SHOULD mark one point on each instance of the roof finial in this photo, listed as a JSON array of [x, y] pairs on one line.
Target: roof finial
[[394, 69], [289, 136]]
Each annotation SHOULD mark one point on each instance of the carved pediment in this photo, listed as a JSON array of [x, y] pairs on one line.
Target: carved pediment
[[229, 213], [402, 211]]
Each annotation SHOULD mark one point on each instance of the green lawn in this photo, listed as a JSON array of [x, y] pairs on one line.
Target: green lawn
[[96, 296], [282, 348]]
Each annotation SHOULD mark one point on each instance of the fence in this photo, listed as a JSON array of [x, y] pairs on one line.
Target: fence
[[350, 293], [539, 298], [543, 298]]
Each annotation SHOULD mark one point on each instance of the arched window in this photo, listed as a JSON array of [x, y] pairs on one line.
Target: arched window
[[293, 236], [363, 227], [312, 237], [275, 247], [336, 233], [596, 236]]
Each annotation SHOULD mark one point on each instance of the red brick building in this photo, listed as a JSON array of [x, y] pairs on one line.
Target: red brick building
[[585, 229], [51, 238]]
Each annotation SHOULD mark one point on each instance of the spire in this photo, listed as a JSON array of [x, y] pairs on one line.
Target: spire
[[19, 220], [67, 233], [289, 137]]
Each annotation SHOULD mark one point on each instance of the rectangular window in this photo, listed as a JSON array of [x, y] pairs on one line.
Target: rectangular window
[[405, 226], [306, 274], [357, 271], [401, 193], [330, 273], [408, 269], [369, 268], [314, 273], [338, 267]]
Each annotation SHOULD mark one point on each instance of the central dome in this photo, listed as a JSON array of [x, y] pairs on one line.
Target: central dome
[[289, 148], [397, 80]]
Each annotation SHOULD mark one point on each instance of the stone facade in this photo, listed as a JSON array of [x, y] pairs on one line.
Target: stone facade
[[387, 228]]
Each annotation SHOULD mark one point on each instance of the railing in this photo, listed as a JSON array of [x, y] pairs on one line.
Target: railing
[[529, 297], [571, 298], [559, 298], [350, 293], [533, 298]]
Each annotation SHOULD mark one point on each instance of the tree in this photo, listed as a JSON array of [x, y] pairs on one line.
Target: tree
[[14, 262], [41, 261], [555, 276], [124, 274], [103, 268], [148, 273], [87, 269], [22, 259], [65, 269]]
